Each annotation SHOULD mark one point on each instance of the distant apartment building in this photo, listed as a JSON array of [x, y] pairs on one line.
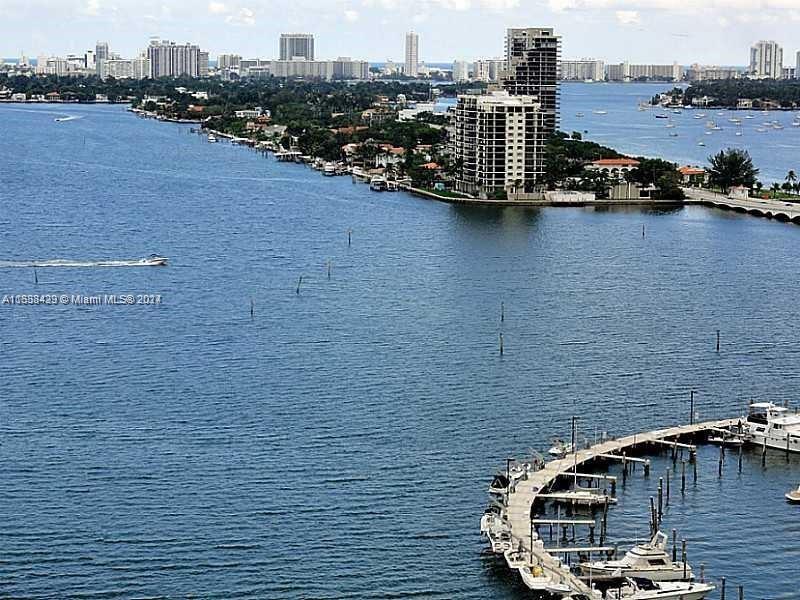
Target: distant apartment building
[[532, 62], [496, 143], [627, 72], [229, 62], [341, 68], [412, 55], [296, 46], [460, 71], [202, 65], [788, 73], [709, 73], [585, 69], [119, 68], [797, 67], [101, 54], [766, 60], [168, 59], [488, 70]]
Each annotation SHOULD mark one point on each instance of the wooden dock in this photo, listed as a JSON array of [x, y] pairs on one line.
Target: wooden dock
[[524, 493]]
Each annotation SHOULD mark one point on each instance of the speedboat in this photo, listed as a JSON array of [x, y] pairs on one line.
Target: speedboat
[[649, 561], [773, 426], [600, 112], [579, 114], [662, 116], [701, 143], [793, 497], [498, 532], [154, 260], [560, 449], [212, 138], [644, 589]]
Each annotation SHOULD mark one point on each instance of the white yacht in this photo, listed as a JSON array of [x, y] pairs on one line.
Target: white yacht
[[212, 138], [155, 260], [498, 532], [644, 589], [793, 497], [647, 561], [773, 426]]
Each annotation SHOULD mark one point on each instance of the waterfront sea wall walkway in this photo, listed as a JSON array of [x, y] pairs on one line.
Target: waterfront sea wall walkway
[[523, 496], [773, 209]]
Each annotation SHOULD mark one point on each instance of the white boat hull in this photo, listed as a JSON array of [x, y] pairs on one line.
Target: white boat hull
[[674, 574]]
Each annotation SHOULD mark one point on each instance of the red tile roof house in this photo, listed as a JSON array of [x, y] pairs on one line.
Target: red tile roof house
[[613, 167], [693, 175]]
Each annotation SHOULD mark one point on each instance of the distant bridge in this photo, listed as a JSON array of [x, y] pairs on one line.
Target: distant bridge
[[772, 209]]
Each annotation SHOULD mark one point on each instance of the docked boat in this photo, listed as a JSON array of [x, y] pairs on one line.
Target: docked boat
[[212, 138], [579, 114], [701, 143], [793, 497], [329, 170], [649, 561], [773, 426], [580, 497], [378, 184], [560, 449], [644, 589], [497, 531], [727, 439]]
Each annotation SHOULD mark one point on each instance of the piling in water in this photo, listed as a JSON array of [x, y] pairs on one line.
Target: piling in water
[[299, 282]]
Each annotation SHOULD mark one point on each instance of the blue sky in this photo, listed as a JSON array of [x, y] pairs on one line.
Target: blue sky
[[712, 32]]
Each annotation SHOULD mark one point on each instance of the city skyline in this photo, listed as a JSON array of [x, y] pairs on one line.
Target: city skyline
[[375, 29]]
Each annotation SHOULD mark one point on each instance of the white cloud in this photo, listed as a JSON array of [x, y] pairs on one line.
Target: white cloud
[[351, 16], [92, 8], [217, 8], [628, 17], [244, 16]]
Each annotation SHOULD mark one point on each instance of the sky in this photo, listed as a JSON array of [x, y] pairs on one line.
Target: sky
[[641, 31]]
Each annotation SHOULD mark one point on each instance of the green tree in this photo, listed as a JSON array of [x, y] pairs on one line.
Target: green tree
[[730, 168]]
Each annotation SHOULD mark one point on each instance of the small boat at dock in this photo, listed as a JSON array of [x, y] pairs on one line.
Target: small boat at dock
[[793, 497], [649, 561], [559, 449], [643, 589], [212, 138]]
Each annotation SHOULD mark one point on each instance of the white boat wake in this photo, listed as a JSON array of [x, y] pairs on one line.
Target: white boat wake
[[68, 118], [141, 262]]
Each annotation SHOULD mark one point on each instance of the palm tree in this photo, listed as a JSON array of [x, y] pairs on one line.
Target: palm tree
[[791, 177], [730, 168], [776, 187]]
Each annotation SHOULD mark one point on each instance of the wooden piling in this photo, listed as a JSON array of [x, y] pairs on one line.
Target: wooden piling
[[683, 558], [702, 572], [674, 545], [683, 477], [717, 341], [299, 282], [35, 276], [667, 478], [691, 407], [252, 308], [501, 344], [349, 237], [740, 459], [741, 592], [694, 466], [722, 589], [721, 458], [502, 312], [660, 499], [329, 269]]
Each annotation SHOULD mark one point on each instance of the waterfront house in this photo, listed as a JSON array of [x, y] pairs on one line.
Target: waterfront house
[[693, 176], [52, 97], [614, 168], [744, 103]]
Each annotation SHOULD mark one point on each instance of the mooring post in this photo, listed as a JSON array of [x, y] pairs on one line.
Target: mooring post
[[252, 308], [694, 465], [720, 460], [667, 477], [613, 487], [349, 237], [683, 558], [741, 592], [702, 572], [604, 526], [653, 526], [646, 468], [717, 341], [642, 230], [691, 407], [764, 452], [624, 468], [740, 459], [660, 499], [722, 589], [299, 281], [674, 545], [591, 533], [502, 312], [501, 344], [683, 477], [329, 269]]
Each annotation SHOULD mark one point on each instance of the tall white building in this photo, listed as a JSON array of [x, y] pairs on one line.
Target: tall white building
[[585, 69], [101, 54], [168, 59], [296, 46], [488, 70], [766, 60], [797, 68], [496, 143], [412, 54], [460, 71]]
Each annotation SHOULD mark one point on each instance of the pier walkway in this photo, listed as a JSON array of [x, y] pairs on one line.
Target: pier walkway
[[525, 492], [772, 209]]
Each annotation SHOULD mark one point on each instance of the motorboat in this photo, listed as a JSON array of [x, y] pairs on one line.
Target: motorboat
[[738, 133], [579, 114], [793, 497], [560, 449], [499, 484], [662, 116], [497, 531], [773, 426], [726, 439], [212, 138], [673, 134], [155, 260], [649, 561], [643, 589], [701, 143], [329, 170], [378, 184], [600, 112]]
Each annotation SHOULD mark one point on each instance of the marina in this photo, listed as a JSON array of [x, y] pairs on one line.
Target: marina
[[515, 517]]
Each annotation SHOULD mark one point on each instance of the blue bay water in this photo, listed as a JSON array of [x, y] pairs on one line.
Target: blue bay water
[[339, 443]]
